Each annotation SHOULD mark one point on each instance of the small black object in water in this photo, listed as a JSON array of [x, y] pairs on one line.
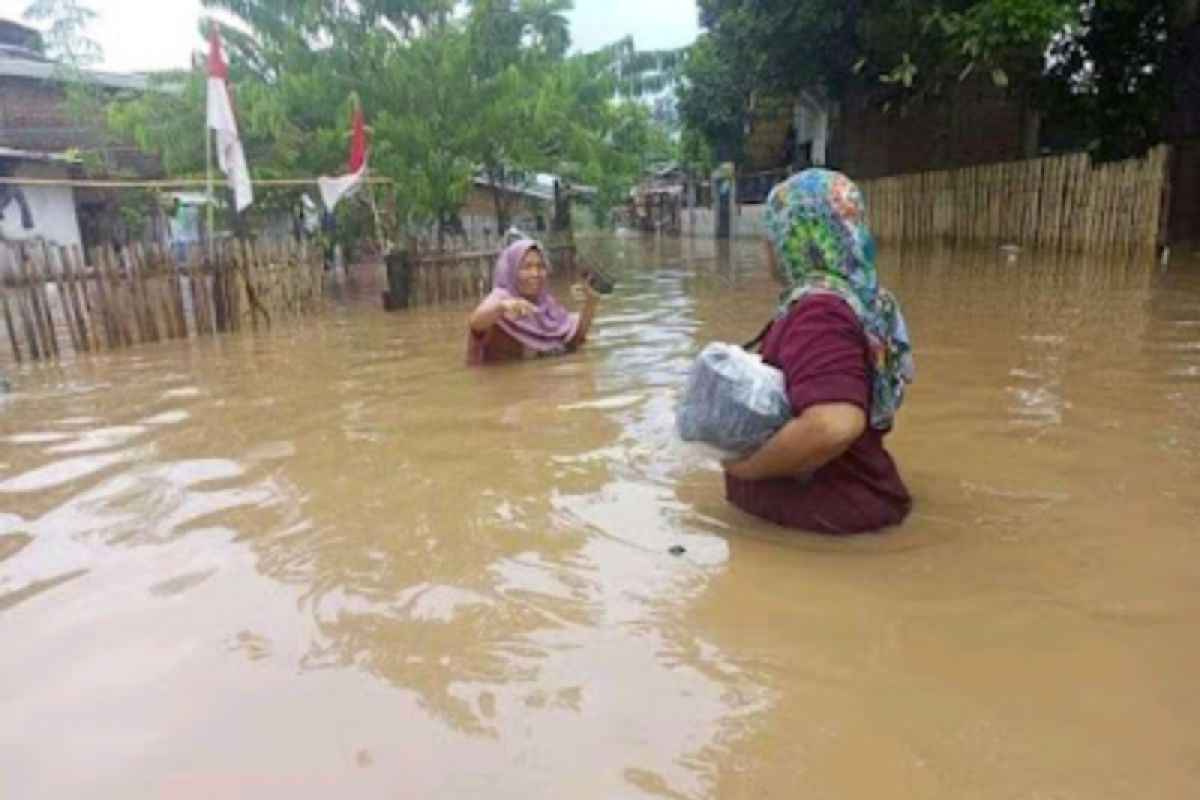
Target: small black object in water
[[677, 550], [599, 280]]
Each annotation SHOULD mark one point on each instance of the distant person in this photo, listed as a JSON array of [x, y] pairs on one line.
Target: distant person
[[521, 318], [842, 344]]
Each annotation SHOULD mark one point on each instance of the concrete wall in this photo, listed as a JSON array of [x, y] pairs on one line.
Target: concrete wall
[[747, 222], [51, 207]]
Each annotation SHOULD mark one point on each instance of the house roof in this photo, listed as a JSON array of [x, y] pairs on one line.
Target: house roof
[[540, 186], [13, 154], [15, 64], [16, 34]]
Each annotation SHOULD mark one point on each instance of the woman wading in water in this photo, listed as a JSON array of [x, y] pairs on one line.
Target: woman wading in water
[[521, 318], [842, 345]]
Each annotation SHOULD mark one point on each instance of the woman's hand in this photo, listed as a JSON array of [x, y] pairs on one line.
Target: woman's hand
[[517, 308], [584, 291], [819, 435], [742, 468]]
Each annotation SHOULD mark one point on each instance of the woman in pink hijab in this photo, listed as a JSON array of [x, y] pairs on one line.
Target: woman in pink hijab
[[521, 318]]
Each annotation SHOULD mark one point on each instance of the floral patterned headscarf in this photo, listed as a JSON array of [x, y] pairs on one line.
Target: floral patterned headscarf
[[817, 224]]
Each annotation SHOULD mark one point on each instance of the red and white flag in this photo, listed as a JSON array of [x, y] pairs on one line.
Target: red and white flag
[[223, 123], [334, 189]]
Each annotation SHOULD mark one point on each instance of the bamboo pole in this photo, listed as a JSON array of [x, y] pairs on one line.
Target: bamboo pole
[[32, 302], [9, 324], [78, 308], [257, 293], [1155, 200], [164, 303], [207, 277], [118, 295], [147, 287], [110, 295], [22, 302], [193, 272], [102, 301], [192, 294], [241, 265], [137, 291], [176, 286], [41, 304], [53, 267], [164, 300]]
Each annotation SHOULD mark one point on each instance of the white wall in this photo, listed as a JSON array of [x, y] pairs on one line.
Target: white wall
[[52, 208], [812, 125], [747, 221]]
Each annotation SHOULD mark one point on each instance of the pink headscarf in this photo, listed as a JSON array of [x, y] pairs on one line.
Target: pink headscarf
[[551, 328]]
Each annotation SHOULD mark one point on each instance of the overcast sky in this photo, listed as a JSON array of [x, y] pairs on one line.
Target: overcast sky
[[156, 34]]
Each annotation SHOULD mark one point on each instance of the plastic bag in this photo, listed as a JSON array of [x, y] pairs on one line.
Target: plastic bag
[[733, 401]]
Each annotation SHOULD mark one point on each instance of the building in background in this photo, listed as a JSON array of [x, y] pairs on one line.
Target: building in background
[[39, 139]]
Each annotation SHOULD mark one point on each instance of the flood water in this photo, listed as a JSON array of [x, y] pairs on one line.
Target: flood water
[[328, 561]]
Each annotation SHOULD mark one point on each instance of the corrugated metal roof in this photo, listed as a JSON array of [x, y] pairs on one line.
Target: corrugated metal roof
[[49, 71], [33, 155], [541, 187]]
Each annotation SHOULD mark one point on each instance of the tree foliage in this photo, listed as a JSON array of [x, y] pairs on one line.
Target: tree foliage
[[1116, 66], [450, 91], [892, 50]]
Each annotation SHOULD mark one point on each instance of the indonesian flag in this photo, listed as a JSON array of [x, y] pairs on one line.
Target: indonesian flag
[[334, 189], [223, 122]]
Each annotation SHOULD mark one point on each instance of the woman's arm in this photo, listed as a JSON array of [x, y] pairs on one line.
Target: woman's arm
[[495, 306], [586, 316], [807, 443]]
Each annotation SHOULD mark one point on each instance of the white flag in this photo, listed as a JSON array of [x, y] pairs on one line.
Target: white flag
[[334, 189], [223, 123]]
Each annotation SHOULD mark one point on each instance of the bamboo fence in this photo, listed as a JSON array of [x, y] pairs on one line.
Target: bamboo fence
[[459, 276], [1058, 203], [57, 300]]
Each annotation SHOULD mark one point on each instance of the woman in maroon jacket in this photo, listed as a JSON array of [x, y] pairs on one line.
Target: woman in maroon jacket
[[841, 342]]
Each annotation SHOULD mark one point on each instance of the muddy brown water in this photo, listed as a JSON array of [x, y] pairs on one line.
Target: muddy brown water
[[328, 561]]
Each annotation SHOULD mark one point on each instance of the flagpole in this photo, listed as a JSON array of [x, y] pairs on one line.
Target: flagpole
[[209, 183], [379, 234]]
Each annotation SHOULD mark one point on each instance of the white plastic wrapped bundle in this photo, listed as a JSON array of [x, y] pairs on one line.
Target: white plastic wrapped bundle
[[733, 401]]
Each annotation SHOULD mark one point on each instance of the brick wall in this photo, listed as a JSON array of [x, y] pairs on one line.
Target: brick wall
[[33, 116]]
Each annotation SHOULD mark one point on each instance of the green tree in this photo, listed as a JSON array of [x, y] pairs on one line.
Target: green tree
[[422, 138], [1129, 72], [447, 94], [74, 52], [893, 51], [714, 100]]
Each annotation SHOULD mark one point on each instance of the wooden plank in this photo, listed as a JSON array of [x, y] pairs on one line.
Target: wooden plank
[[137, 290], [103, 301], [43, 318], [22, 302], [89, 299], [117, 299], [189, 292], [177, 296], [9, 323], [151, 297], [56, 273], [205, 276], [161, 262], [78, 308]]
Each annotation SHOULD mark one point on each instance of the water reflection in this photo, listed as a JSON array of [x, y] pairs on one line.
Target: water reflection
[[328, 560]]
